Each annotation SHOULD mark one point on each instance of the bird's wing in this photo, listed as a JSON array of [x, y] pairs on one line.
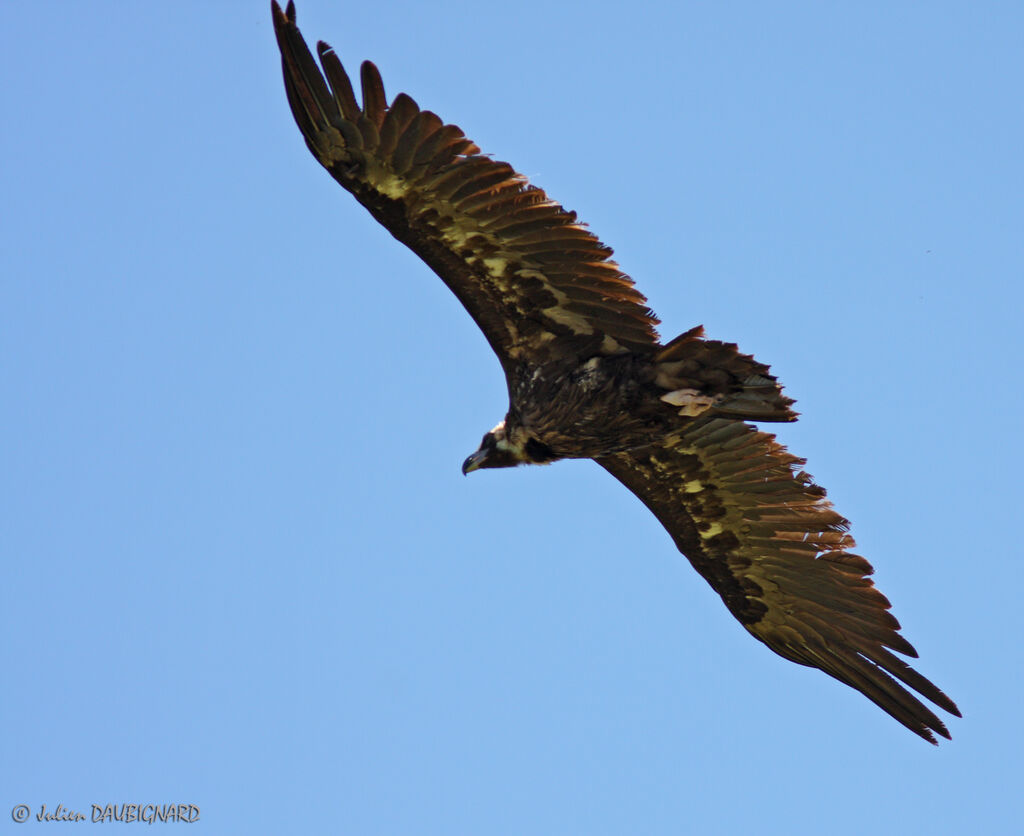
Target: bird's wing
[[763, 535], [538, 284]]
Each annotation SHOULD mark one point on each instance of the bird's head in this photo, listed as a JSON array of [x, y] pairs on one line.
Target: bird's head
[[500, 448]]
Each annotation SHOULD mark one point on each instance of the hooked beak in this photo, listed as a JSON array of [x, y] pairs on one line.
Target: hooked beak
[[474, 462]]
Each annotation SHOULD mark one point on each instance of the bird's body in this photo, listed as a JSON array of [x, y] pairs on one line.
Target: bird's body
[[592, 406], [588, 378], [566, 409]]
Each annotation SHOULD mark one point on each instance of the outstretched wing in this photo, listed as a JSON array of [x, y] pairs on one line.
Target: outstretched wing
[[538, 284], [766, 539]]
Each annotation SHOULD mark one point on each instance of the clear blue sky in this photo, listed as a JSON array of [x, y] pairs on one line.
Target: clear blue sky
[[241, 566]]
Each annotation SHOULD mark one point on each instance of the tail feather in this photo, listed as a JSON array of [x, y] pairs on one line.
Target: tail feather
[[700, 374]]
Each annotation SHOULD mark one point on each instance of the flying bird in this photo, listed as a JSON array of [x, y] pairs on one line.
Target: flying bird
[[588, 378]]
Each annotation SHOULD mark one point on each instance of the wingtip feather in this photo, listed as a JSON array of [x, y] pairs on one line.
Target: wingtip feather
[[374, 100], [286, 16]]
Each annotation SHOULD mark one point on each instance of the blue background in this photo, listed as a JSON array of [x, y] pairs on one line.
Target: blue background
[[241, 567]]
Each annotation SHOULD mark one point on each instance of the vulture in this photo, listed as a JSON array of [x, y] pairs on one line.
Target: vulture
[[588, 378]]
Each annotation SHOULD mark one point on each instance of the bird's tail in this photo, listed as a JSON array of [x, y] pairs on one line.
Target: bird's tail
[[702, 375]]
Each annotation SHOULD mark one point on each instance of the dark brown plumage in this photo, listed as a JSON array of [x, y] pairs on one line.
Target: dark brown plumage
[[588, 378]]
